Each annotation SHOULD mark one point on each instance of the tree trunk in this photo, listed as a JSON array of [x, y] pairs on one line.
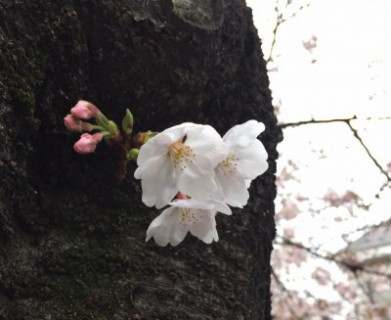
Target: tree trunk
[[72, 235]]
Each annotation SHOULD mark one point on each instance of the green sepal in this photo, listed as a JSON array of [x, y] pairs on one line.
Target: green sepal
[[106, 134], [102, 121], [95, 127], [112, 128]]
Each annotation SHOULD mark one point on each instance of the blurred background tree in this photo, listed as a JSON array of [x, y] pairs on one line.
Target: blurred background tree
[[329, 65]]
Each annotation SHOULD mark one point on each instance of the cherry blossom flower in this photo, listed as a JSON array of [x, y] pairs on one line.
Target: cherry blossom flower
[[289, 233], [388, 170], [246, 160], [85, 110], [187, 215], [322, 276], [346, 291], [348, 199], [289, 210], [183, 158], [87, 143]]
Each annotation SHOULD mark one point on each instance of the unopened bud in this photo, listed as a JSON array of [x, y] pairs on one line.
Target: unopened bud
[[72, 124], [87, 143], [133, 154], [127, 123], [181, 196], [85, 110], [76, 125], [143, 137], [148, 135]]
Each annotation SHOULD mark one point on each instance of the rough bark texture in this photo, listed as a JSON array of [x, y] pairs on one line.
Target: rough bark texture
[[72, 236]]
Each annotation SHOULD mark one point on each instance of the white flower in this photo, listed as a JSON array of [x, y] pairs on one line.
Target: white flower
[[247, 159], [198, 217], [183, 158]]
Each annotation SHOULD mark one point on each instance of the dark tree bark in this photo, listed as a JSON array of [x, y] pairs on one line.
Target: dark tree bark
[[72, 235]]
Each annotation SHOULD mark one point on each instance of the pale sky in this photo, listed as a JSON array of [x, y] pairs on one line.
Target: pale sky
[[351, 76]]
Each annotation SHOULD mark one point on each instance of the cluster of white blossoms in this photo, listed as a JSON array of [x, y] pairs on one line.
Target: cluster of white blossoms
[[196, 173]]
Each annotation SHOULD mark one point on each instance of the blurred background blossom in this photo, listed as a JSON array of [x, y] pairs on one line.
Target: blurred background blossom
[[329, 65]]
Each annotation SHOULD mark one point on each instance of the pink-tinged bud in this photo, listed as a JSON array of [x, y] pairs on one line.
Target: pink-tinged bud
[[76, 125], [87, 143], [181, 196], [72, 124], [85, 110]]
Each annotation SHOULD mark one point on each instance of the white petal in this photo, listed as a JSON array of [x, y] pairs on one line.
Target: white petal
[[244, 134], [180, 130], [152, 167], [195, 184], [252, 161], [220, 206], [155, 147], [160, 188], [207, 205], [205, 228], [207, 144], [178, 233], [193, 204], [233, 188], [161, 227], [203, 164]]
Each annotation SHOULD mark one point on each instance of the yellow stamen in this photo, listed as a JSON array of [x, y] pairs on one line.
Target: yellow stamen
[[229, 165], [187, 217], [180, 154]]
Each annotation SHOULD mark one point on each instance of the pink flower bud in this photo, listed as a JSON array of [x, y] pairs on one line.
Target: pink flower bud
[[72, 124], [87, 143], [181, 196], [85, 110], [76, 125]]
